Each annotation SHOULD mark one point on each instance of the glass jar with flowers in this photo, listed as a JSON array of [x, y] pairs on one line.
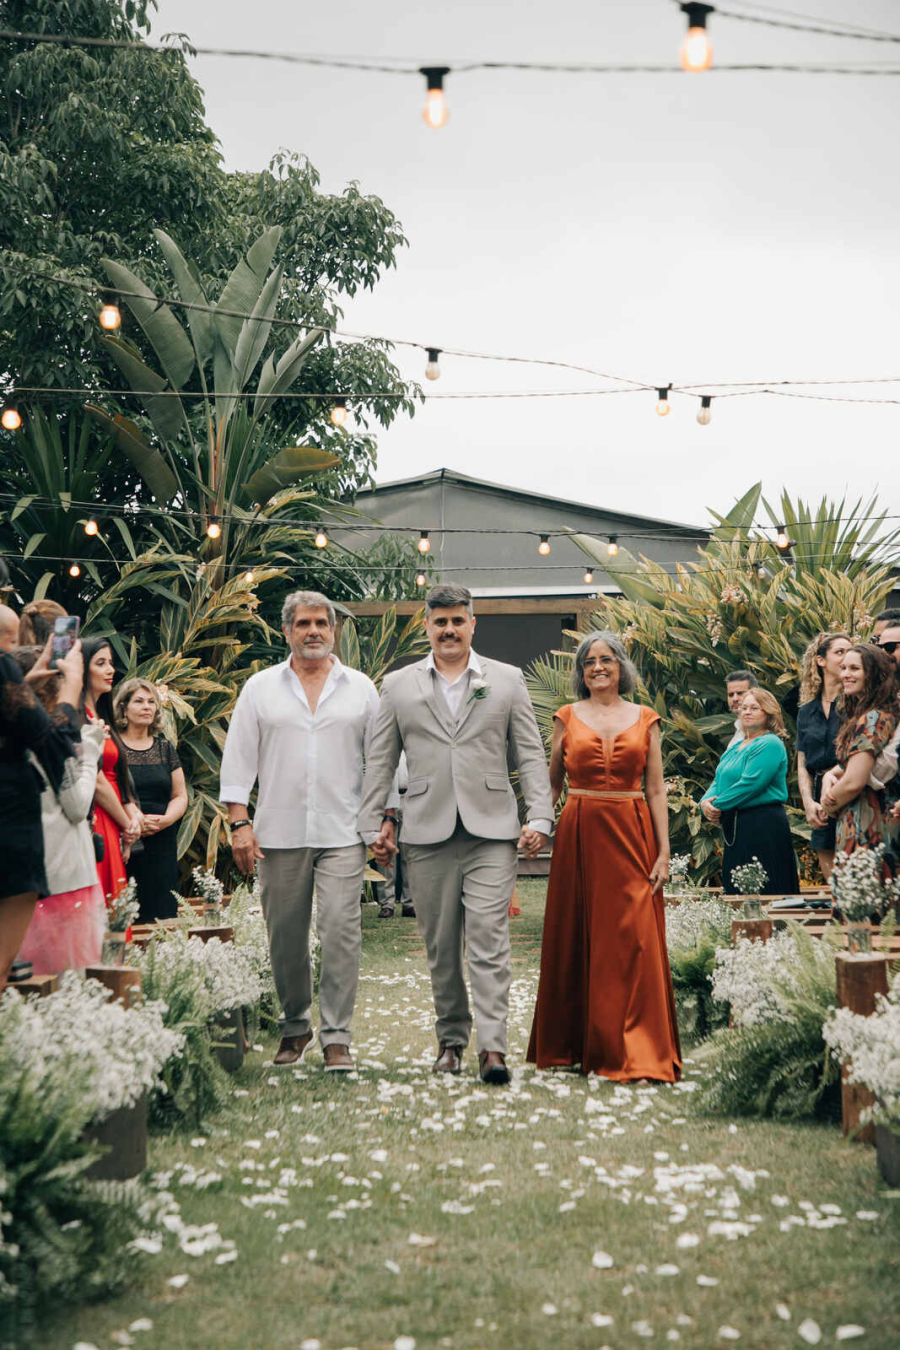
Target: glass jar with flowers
[[750, 880], [120, 916], [861, 893]]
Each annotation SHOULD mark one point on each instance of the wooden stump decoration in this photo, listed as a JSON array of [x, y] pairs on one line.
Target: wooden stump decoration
[[859, 979], [123, 1135], [887, 1146], [42, 985], [223, 932], [227, 1033], [124, 981], [760, 930]]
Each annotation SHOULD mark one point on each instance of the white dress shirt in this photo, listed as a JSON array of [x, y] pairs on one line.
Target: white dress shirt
[[309, 764], [738, 736], [453, 692]]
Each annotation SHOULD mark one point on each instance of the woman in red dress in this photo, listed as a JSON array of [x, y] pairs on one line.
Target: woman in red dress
[[605, 1001], [117, 818]]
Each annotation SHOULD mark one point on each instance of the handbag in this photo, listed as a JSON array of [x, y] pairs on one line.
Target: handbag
[[99, 846]]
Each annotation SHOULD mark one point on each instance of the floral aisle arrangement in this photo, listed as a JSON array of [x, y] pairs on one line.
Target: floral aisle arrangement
[[66, 1062], [121, 914], [681, 882], [212, 893], [860, 892], [870, 1046], [773, 1061], [750, 880], [694, 932], [245, 916]]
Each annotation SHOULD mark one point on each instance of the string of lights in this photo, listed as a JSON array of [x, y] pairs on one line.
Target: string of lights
[[825, 30]]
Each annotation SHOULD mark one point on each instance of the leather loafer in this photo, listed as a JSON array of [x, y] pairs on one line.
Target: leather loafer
[[492, 1068], [293, 1048], [337, 1058], [449, 1060]]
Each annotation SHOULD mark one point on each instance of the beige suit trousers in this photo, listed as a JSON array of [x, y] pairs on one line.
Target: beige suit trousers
[[462, 888]]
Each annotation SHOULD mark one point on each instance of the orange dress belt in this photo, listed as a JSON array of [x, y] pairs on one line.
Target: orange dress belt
[[607, 796]]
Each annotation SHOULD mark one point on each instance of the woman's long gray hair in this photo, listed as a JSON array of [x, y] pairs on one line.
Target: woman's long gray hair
[[628, 676]]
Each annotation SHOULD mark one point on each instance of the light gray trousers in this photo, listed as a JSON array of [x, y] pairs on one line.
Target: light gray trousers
[[287, 877], [462, 890]]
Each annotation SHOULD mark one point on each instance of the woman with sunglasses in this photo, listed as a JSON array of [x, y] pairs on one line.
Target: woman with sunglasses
[[818, 724]]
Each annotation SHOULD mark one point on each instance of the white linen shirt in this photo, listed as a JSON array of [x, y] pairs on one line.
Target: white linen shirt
[[309, 764]]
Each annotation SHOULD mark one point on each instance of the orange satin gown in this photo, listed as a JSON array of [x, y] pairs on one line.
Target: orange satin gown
[[605, 998]]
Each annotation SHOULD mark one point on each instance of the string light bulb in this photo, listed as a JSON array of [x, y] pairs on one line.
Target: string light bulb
[[110, 318], [589, 576], [321, 539], [11, 418], [91, 527], [696, 50], [433, 368], [781, 538], [248, 577], [612, 547], [435, 113], [424, 542], [704, 416], [544, 545], [339, 412], [74, 570], [214, 530], [420, 578], [662, 401]]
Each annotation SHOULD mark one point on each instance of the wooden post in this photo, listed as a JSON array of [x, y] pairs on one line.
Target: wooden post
[[859, 979], [758, 929], [42, 985], [124, 981]]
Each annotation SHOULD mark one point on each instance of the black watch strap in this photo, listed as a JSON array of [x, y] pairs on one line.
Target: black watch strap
[[239, 824]]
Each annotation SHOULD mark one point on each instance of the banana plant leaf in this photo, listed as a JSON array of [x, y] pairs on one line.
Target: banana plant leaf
[[138, 451], [165, 334], [285, 468]]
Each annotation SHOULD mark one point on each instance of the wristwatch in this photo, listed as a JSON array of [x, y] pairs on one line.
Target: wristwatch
[[239, 824]]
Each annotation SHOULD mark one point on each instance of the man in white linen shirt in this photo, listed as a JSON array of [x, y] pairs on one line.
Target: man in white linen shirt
[[302, 728]]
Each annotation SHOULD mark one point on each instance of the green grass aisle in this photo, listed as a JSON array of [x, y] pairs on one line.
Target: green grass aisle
[[335, 1212]]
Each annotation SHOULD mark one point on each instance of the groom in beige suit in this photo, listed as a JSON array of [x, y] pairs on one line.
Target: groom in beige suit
[[461, 719]]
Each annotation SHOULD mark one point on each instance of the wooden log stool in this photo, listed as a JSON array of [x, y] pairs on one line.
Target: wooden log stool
[[859, 979], [42, 985], [123, 981]]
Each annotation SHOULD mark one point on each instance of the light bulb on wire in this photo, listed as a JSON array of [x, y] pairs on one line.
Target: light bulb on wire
[[424, 542], [339, 412], [704, 416], [91, 527], [433, 368], [110, 318], [781, 539], [696, 50], [435, 113], [74, 570], [612, 547], [321, 539], [420, 578], [248, 577], [662, 401], [11, 418], [589, 576], [214, 530], [544, 545]]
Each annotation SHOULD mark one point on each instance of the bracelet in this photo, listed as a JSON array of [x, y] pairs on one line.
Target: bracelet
[[239, 825], [392, 819]]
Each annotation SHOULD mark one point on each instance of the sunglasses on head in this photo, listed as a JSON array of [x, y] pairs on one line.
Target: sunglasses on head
[[889, 647]]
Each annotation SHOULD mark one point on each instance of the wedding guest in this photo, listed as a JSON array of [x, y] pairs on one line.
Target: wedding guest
[[158, 781], [66, 929], [605, 1002], [737, 683], [396, 871], [818, 723], [748, 794], [26, 727], [888, 618], [302, 728], [37, 620], [870, 716], [117, 817]]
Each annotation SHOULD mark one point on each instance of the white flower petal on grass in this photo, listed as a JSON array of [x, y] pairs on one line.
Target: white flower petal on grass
[[602, 1261], [849, 1332], [601, 1320], [178, 1281], [379, 1155], [549, 1309], [673, 1335], [783, 1311], [224, 1257], [867, 1215], [642, 1328], [152, 1246], [707, 1281], [121, 1338], [418, 1240], [685, 1240], [405, 1343], [84, 1345], [392, 1267], [728, 1333], [667, 1269], [780, 1200], [809, 1331], [311, 1345], [141, 1324]]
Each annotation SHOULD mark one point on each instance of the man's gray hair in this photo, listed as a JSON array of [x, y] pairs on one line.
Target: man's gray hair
[[445, 597], [628, 675], [305, 600]]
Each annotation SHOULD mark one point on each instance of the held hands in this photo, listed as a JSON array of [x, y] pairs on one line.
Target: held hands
[[815, 816], [385, 846], [135, 827], [659, 873], [152, 824], [245, 849], [711, 812], [531, 842]]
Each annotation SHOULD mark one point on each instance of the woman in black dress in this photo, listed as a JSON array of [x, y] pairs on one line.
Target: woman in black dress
[[818, 724], [159, 783]]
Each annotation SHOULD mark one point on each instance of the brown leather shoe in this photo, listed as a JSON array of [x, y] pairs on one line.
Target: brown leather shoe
[[293, 1048], [492, 1067], [449, 1060], [337, 1059]]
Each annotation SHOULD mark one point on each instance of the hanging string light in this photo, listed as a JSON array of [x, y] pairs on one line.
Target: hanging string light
[[74, 570], [248, 577], [662, 401], [704, 416], [433, 368], [91, 527], [110, 318], [589, 576], [781, 539], [612, 547], [696, 50], [321, 539], [424, 542], [214, 530], [11, 418], [435, 113], [339, 412], [420, 578], [544, 545]]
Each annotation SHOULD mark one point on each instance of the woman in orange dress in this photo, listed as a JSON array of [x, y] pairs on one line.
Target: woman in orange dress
[[117, 818], [605, 1001]]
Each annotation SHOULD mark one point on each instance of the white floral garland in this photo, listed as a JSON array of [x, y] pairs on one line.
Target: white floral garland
[[223, 972], [754, 977]]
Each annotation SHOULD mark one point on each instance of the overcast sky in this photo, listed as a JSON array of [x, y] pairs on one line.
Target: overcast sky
[[727, 227]]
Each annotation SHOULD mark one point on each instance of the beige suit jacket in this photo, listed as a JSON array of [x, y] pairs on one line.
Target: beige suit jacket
[[459, 769]]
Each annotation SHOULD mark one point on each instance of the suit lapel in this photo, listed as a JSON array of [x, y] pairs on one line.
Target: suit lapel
[[465, 711], [434, 700]]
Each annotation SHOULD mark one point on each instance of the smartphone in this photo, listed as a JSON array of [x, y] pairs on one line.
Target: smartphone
[[65, 635]]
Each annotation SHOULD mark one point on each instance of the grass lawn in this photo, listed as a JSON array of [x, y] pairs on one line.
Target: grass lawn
[[393, 1204]]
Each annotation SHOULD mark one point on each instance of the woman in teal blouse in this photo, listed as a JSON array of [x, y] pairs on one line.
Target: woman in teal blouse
[[748, 794]]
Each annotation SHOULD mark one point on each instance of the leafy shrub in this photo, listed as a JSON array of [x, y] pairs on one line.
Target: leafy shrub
[[694, 931]]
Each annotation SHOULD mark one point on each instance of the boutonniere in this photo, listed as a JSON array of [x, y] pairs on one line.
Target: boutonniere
[[480, 689]]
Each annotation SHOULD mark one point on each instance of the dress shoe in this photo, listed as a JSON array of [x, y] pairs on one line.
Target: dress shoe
[[408, 911], [337, 1059], [492, 1067], [449, 1060], [293, 1048], [386, 912]]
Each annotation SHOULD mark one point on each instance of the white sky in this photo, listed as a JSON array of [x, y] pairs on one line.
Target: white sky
[[664, 227]]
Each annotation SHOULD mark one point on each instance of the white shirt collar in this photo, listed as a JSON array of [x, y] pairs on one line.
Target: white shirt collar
[[472, 664], [337, 670]]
